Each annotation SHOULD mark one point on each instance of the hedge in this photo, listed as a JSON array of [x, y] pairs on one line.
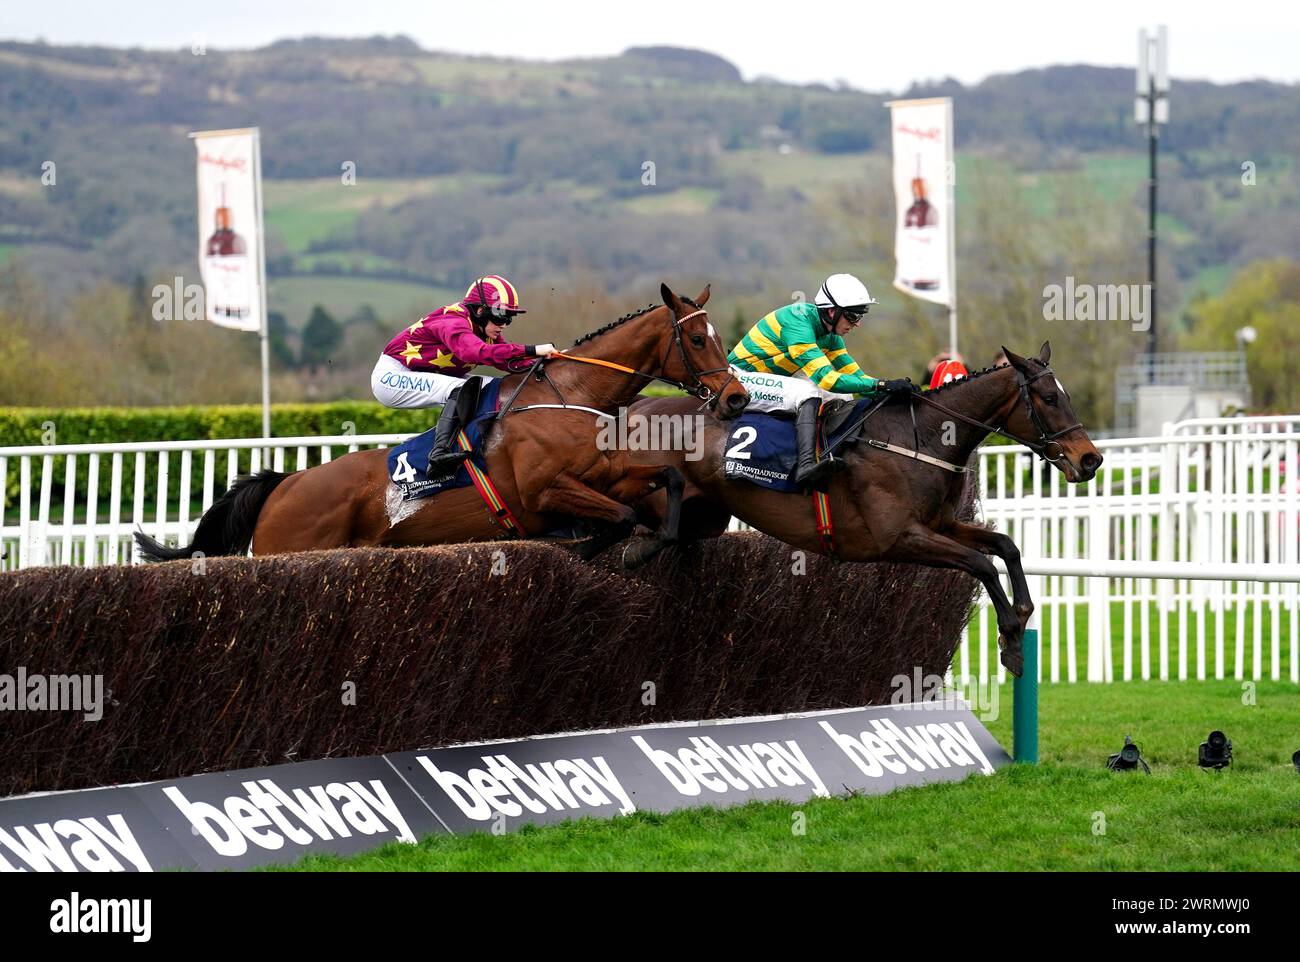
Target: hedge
[[104, 425], [19, 426]]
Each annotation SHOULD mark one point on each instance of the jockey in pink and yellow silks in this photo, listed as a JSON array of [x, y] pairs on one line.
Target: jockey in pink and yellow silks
[[428, 363]]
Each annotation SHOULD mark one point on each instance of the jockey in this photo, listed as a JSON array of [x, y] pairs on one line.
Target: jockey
[[795, 357], [428, 363]]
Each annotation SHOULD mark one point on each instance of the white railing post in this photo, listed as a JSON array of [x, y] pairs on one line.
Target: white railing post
[[92, 510], [25, 512], [115, 510], [1100, 667]]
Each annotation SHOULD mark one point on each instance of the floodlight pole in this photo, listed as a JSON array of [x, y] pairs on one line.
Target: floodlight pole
[[1152, 109], [1153, 138]]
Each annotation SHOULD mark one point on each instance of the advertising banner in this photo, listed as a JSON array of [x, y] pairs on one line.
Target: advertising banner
[[230, 222], [923, 180], [233, 820], [275, 815], [502, 785], [100, 830]]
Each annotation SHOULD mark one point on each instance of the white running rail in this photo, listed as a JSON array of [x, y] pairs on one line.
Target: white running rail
[[1178, 560], [107, 491]]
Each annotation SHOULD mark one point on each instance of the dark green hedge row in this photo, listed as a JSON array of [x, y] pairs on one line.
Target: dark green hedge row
[[200, 422], [20, 426]]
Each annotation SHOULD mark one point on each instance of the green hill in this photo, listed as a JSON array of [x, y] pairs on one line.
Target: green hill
[[620, 172], [534, 166]]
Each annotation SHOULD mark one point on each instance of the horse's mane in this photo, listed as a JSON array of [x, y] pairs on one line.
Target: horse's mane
[[969, 377], [623, 320]]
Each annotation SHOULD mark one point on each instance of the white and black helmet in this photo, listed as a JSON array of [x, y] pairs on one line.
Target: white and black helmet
[[844, 293]]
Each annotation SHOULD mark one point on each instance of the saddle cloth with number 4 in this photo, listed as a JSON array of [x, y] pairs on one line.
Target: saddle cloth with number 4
[[407, 461]]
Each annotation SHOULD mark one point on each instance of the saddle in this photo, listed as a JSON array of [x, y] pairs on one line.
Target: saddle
[[836, 414]]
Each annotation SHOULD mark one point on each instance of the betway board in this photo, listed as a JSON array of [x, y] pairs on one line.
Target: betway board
[[233, 820]]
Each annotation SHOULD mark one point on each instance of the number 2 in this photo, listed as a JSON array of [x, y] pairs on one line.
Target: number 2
[[745, 436]]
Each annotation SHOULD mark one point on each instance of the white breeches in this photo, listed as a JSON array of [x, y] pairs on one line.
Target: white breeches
[[780, 392], [395, 386]]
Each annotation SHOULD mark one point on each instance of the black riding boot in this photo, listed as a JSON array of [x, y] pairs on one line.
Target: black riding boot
[[446, 454], [808, 472]]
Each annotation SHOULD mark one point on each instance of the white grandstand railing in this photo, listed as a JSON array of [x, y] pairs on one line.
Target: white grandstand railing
[[1256, 424], [159, 487]]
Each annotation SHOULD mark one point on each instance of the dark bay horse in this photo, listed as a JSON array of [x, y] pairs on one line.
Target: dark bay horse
[[887, 506], [542, 455]]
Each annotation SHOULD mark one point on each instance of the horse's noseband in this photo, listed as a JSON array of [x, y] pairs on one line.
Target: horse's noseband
[[1045, 441], [699, 389]]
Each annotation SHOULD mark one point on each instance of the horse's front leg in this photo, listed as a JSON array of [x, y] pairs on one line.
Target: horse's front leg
[[995, 542], [920, 545], [639, 482]]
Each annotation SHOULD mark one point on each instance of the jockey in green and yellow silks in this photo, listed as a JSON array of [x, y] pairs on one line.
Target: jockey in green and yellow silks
[[794, 358]]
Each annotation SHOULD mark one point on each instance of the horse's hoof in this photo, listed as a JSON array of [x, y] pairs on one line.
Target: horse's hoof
[[1013, 656], [637, 553]]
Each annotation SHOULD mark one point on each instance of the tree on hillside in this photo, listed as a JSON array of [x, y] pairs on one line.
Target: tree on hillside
[[1264, 295], [134, 360], [740, 325], [320, 338], [1007, 256], [277, 336]]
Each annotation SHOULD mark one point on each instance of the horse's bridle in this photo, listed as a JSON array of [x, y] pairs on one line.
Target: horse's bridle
[[700, 391], [1045, 440]]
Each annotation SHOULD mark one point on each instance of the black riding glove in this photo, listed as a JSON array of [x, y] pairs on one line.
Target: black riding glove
[[902, 385]]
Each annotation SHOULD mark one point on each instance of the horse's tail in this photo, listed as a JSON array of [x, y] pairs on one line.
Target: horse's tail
[[226, 528]]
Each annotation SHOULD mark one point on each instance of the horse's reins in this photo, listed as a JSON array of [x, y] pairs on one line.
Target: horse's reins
[[699, 389], [1039, 447], [1045, 440]]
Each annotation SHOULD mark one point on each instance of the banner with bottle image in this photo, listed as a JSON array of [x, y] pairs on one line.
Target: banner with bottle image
[[923, 180], [230, 227]]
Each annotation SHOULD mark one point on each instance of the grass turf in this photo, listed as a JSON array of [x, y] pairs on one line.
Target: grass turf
[[1068, 813]]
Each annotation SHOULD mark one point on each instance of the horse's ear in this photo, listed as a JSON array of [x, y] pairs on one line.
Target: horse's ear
[[670, 299], [702, 297], [1015, 360], [1045, 352]]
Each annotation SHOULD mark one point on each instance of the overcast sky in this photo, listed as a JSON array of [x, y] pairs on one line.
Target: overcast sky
[[872, 45]]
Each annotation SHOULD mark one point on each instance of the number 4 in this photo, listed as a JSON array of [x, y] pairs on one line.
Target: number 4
[[405, 472]]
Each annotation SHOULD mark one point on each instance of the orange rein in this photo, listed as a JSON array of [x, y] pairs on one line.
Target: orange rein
[[594, 360]]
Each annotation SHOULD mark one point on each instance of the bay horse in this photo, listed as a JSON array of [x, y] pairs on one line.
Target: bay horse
[[541, 454], [889, 506]]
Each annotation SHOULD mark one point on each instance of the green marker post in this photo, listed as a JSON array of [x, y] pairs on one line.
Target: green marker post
[[1024, 708]]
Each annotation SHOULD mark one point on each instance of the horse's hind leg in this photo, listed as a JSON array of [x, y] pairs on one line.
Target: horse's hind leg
[[920, 545], [569, 497], [588, 548]]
